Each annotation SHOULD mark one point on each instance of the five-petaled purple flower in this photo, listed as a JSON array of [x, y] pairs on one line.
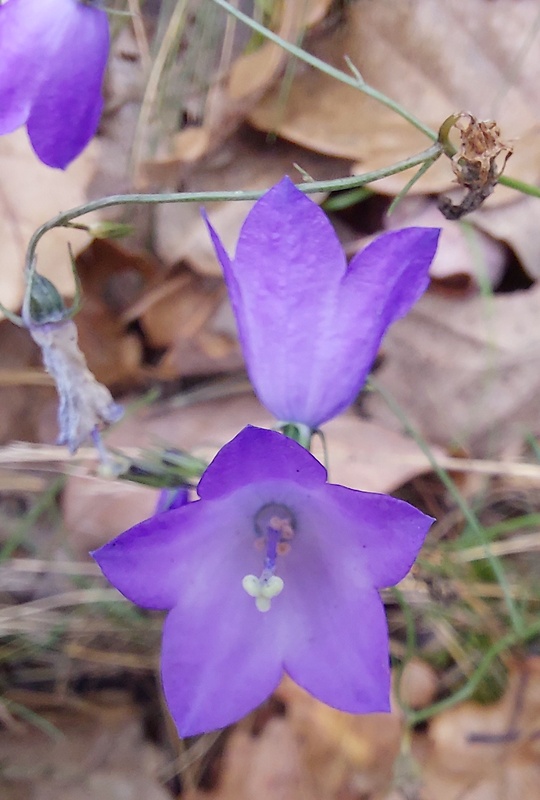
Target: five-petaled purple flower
[[268, 534], [309, 325], [53, 55]]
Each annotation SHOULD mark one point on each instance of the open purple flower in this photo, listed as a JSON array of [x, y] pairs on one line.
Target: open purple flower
[[53, 55], [309, 325], [272, 570]]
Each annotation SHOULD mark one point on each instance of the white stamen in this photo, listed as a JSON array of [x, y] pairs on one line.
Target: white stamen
[[263, 589], [263, 604]]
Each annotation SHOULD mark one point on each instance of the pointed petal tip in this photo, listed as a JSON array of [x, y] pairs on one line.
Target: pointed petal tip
[[259, 454], [425, 239], [429, 235], [285, 189]]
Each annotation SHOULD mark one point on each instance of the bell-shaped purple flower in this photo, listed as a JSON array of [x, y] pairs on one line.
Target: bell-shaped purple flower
[[273, 570], [53, 55], [310, 326]]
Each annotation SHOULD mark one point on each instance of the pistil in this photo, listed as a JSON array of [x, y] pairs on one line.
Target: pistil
[[274, 526]]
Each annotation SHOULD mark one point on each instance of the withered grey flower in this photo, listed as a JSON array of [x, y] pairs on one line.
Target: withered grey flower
[[85, 404]]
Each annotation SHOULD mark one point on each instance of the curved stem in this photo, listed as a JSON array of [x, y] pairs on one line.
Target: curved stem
[[466, 691], [497, 568], [208, 197]]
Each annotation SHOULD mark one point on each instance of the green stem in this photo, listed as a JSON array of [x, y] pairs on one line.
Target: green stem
[[520, 186], [64, 219], [510, 640], [494, 562], [351, 80], [410, 644], [29, 520]]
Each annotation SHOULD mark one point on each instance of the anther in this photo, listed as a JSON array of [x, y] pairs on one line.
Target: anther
[[262, 589]]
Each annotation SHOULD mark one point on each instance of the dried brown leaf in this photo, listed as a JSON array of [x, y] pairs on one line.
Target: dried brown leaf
[[346, 755], [101, 754], [518, 224], [488, 752], [96, 510], [465, 260], [21, 408], [113, 278], [435, 60], [466, 371], [246, 162], [267, 767]]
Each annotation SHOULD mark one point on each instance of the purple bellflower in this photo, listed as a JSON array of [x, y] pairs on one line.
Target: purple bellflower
[[272, 570], [53, 55], [309, 325]]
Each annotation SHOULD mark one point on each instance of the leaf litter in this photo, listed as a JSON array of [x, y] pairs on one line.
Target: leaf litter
[[462, 366]]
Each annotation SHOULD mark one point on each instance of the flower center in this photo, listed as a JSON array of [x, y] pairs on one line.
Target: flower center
[[274, 530]]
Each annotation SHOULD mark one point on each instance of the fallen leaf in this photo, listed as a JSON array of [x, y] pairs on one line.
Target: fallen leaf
[[347, 755], [435, 60], [113, 278], [465, 372], [488, 752], [101, 753], [96, 510], [22, 406], [267, 767], [466, 259], [518, 225], [239, 81], [245, 162], [418, 684]]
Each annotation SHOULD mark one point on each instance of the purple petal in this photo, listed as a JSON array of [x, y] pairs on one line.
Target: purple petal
[[22, 23], [348, 543], [148, 562], [336, 643], [182, 552], [219, 660], [340, 653], [54, 54], [288, 257], [221, 656], [384, 532], [206, 543], [172, 498], [66, 113], [256, 454], [327, 628], [381, 285], [310, 327], [228, 272]]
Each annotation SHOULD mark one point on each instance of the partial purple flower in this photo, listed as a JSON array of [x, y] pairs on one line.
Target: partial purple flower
[[53, 55], [273, 570], [172, 498], [310, 326]]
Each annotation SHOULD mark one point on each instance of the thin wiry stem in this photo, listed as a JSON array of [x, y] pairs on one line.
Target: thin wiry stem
[[516, 619], [208, 197]]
